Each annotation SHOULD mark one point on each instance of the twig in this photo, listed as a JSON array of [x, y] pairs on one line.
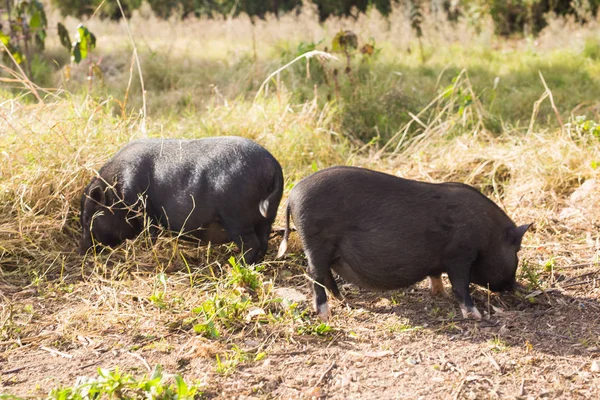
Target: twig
[[90, 365], [141, 359], [492, 361], [582, 265], [324, 374], [12, 371], [538, 292], [552, 101], [308, 54], [580, 276], [522, 388], [25, 80], [462, 382], [139, 68], [575, 284], [56, 352], [98, 8]]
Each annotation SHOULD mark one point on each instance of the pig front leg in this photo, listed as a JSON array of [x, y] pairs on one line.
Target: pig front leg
[[459, 273]]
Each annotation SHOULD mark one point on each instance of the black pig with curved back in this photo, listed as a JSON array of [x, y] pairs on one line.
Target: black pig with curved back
[[379, 231], [217, 189]]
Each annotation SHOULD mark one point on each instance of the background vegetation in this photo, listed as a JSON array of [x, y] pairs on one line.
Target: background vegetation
[[510, 16]]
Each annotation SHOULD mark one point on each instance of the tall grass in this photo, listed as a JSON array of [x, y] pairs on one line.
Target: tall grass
[[192, 64]]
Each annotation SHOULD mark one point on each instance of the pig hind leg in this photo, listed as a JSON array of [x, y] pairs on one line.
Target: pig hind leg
[[263, 230], [320, 272], [458, 273]]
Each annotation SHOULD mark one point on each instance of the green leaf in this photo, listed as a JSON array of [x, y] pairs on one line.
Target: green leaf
[[13, 50], [19, 57], [76, 53], [182, 388], [35, 21], [63, 34], [85, 41], [4, 38]]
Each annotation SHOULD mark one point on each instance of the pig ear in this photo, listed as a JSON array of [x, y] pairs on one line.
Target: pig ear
[[515, 235], [97, 193]]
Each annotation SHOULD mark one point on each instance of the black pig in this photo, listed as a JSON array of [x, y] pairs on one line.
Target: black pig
[[383, 232], [218, 189]]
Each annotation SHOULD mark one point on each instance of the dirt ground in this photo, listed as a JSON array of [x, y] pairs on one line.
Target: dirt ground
[[388, 345]]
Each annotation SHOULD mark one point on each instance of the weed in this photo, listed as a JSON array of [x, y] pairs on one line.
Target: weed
[[159, 292], [115, 384], [231, 360], [550, 265], [531, 274], [317, 329], [498, 345], [226, 311], [245, 276], [435, 311], [587, 126]]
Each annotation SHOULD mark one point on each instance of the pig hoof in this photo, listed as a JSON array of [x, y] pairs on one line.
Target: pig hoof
[[437, 286], [323, 312], [471, 312]]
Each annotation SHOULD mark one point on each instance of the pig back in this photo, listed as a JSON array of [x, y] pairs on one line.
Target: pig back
[[197, 181]]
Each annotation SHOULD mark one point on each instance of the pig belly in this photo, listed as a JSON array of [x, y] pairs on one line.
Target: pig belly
[[212, 232], [373, 277]]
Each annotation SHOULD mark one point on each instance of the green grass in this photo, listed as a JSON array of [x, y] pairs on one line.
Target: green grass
[[116, 384]]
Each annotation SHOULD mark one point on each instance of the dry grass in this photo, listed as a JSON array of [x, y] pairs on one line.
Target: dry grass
[[181, 306]]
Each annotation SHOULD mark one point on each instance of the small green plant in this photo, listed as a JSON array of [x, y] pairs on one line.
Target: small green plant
[[220, 311], [449, 327], [530, 273], [587, 126], [435, 311], [396, 298], [245, 276], [113, 383], [345, 42], [160, 290], [550, 265], [231, 360], [498, 344], [317, 329]]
